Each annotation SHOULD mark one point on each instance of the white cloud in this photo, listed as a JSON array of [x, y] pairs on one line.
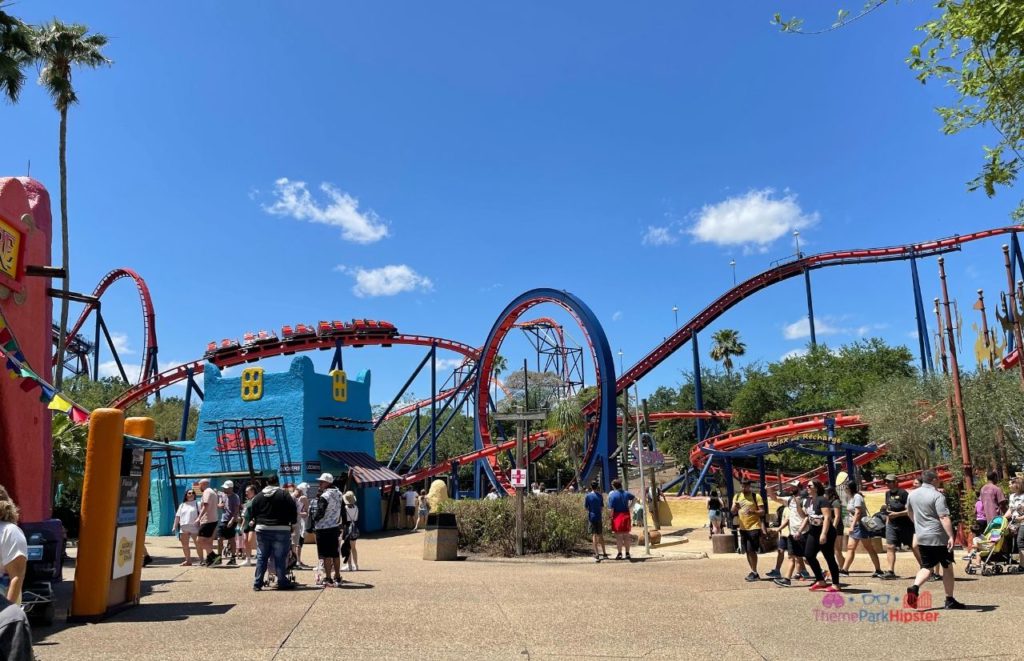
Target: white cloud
[[294, 200], [131, 370], [755, 219], [659, 236], [617, 315], [795, 353], [444, 364], [866, 329], [120, 341], [913, 335], [386, 280], [801, 328]]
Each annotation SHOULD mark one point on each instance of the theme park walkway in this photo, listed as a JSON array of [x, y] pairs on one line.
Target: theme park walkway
[[403, 607]]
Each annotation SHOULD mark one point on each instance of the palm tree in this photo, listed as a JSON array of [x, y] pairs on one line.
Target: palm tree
[[16, 51], [497, 367], [726, 344], [566, 420], [60, 47]]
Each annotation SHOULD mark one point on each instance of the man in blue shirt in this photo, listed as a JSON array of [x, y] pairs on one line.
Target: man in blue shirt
[[594, 502], [619, 503]]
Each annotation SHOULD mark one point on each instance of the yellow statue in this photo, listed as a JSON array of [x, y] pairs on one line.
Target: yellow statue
[[438, 493]]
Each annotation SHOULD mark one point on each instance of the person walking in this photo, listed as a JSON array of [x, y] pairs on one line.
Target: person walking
[[492, 494], [899, 529], [207, 522], [791, 531], [859, 536], [839, 513], [327, 528], [422, 510], [298, 537], [350, 533], [232, 507], [1015, 512], [715, 510], [821, 537], [934, 530], [992, 498], [13, 548], [594, 504], [751, 519], [186, 524], [248, 526], [411, 500], [619, 503], [274, 513]]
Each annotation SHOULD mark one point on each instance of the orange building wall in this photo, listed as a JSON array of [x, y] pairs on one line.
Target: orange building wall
[[25, 444]]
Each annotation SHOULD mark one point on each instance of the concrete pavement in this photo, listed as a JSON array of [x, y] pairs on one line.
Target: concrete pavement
[[674, 606]]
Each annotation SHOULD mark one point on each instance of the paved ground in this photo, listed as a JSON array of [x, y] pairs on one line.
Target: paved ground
[[670, 607]]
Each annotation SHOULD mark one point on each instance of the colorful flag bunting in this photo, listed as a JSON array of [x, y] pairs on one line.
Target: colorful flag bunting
[[58, 403], [78, 416]]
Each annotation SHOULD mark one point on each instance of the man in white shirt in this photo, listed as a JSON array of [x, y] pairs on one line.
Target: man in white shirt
[[13, 547], [410, 507]]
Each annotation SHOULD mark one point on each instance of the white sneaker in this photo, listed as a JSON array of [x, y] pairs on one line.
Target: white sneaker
[[245, 563], [355, 568]]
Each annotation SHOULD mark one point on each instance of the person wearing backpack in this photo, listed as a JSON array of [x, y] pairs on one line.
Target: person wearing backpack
[[751, 518], [859, 534], [821, 537]]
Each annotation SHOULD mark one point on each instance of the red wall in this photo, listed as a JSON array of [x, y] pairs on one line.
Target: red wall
[[25, 444]]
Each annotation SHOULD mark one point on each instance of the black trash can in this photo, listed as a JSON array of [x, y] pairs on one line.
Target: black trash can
[[441, 538]]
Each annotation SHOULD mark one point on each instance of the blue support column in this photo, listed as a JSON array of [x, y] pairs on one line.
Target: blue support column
[[851, 468], [336, 363], [188, 403], [810, 306], [698, 389], [924, 346], [761, 478], [700, 478], [433, 405], [454, 486], [96, 346], [830, 430], [730, 490]]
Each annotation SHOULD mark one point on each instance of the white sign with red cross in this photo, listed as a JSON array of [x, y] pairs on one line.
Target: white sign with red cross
[[518, 477]]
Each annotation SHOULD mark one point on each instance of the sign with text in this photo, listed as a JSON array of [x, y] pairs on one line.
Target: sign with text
[[124, 551], [290, 468], [12, 255], [518, 477], [312, 466]]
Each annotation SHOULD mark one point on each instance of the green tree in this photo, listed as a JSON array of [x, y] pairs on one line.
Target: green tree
[[499, 365], [726, 344], [68, 454], [16, 51], [911, 416], [566, 422], [59, 48], [976, 48]]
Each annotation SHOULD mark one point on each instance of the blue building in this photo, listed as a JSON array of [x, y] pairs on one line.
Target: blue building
[[295, 425]]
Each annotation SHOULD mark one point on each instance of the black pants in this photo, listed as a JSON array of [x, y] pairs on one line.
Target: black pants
[[813, 545]]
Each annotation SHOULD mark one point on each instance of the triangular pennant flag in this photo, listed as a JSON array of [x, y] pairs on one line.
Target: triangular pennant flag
[[28, 374], [28, 384], [78, 416], [5, 335], [11, 346], [58, 403], [3, 324]]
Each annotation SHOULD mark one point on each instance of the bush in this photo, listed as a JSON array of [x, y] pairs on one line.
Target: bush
[[554, 523]]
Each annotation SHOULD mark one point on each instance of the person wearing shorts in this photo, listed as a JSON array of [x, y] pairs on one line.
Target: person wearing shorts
[[899, 529], [594, 503], [327, 528], [619, 504], [934, 530], [748, 511], [227, 531], [207, 522], [410, 507]]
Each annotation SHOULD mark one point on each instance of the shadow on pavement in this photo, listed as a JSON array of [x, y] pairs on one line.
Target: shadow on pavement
[[169, 612], [352, 585]]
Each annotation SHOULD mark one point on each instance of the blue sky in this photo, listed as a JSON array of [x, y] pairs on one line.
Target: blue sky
[[266, 166]]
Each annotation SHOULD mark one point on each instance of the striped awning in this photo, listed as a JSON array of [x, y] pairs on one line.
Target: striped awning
[[364, 469]]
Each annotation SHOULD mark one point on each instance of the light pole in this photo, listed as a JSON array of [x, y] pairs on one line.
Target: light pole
[[675, 313], [796, 237], [620, 362], [732, 263]]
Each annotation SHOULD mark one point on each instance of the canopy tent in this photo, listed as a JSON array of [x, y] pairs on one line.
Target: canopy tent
[[364, 469]]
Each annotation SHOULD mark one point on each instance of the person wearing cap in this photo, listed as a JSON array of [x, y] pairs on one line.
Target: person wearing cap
[[791, 529], [232, 506], [327, 528], [899, 529], [207, 522], [750, 514], [273, 512], [351, 529], [302, 505]]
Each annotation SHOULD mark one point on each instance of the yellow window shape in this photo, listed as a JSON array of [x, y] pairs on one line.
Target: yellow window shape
[[252, 384], [339, 385]]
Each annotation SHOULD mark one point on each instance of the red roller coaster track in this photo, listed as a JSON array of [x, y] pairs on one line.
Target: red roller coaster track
[[148, 386], [149, 346]]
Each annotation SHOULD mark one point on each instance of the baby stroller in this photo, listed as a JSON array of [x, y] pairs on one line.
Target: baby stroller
[[271, 578], [993, 550]]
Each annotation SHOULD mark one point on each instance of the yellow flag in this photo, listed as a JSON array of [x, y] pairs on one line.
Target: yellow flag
[[58, 403]]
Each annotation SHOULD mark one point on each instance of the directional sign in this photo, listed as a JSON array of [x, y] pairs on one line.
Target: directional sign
[[518, 478]]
